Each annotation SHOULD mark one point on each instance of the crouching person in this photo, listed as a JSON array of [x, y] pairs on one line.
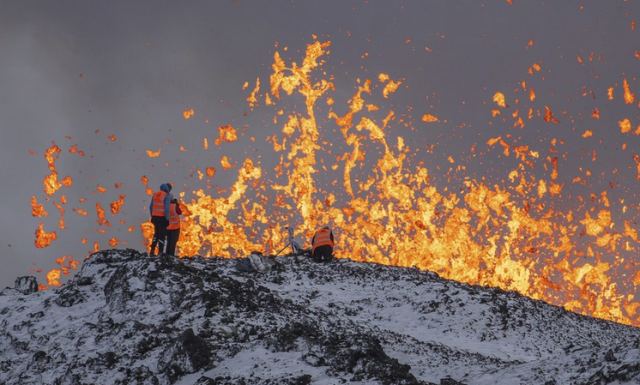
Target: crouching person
[[173, 229], [322, 245]]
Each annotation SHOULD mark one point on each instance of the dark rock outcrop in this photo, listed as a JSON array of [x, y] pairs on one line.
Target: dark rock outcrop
[[188, 354], [26, 284], [127, 318]]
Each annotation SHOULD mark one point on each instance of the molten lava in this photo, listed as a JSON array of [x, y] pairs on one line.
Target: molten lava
[[43, 238]]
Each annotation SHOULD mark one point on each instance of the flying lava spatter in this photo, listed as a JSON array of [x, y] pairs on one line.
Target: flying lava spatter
[[385, 206]]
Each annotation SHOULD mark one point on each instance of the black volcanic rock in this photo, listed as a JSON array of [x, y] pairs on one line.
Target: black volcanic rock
[[188, 354], [127, 318], [68, 296], [26, 284]]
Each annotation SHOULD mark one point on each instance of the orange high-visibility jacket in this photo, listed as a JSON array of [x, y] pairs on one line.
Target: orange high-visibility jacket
[[174, 217], [322, 238], [157, 204]]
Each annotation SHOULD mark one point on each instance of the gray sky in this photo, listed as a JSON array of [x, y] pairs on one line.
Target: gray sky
[[69, 68]]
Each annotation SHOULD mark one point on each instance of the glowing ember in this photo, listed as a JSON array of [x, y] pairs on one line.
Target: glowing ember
[[390, 87], [153, 154], [37, 210], [53, 277], [188, 113], [67, 181], [44, 238], [629, 97], [60, 207], [67, 264], [146, 229], [428, 118], [80, 211], [117, 204], [548, 115], [100, 213], [499, 99], [252, 99], [625, 125], [226, 133], [74, 150], [226, 163], [50, 182]]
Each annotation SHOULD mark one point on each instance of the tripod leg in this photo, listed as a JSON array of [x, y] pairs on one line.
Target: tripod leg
[[283, 249]]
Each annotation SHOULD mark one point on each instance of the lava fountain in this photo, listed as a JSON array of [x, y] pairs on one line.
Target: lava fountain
[[341, 163]]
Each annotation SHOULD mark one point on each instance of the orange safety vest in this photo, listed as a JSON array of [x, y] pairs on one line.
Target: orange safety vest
[[174, 218], [322, 238], [157, 204]]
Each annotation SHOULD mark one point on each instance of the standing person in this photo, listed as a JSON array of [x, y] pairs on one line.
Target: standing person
[[173, 230], [159, 209], [322, 245]]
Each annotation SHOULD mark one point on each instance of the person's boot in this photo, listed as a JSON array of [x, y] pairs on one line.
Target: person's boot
[[154, 243]]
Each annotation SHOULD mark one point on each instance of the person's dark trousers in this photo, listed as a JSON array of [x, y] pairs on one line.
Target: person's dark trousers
[[323, 253], [172, 241], [159, 234]]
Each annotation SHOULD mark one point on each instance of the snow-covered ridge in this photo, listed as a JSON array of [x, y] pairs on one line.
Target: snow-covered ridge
[[126, 318]]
